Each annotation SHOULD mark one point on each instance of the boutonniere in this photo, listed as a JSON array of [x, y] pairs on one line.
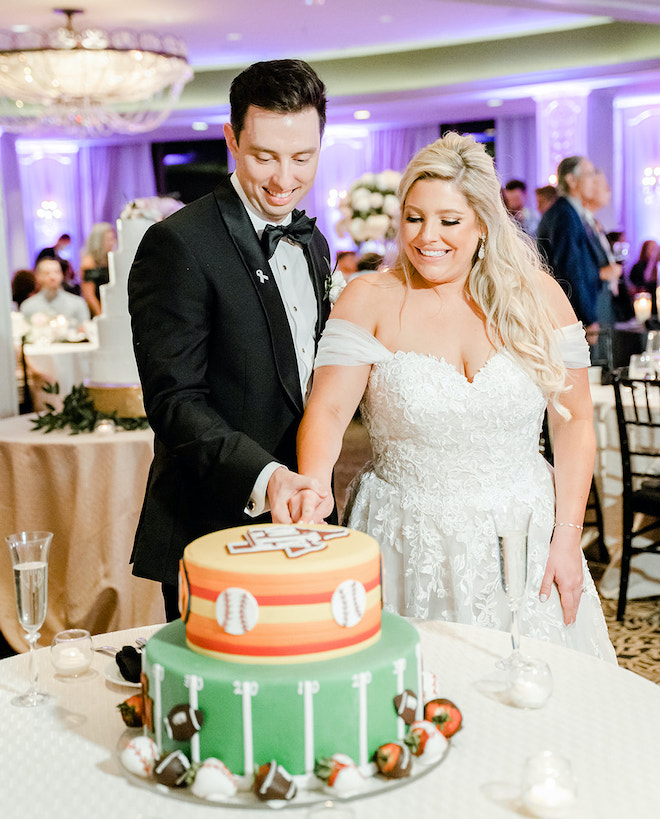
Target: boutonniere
[[334, 284]]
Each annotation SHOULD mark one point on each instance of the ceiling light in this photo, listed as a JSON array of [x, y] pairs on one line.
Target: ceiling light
[[90, 82], [362, 114], [200, 126]]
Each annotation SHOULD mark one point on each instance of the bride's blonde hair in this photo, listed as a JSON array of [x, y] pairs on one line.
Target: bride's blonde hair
[[506, 283]]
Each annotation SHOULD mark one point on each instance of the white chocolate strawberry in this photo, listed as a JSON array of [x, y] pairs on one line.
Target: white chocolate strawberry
[[139, 756], [213, 781]]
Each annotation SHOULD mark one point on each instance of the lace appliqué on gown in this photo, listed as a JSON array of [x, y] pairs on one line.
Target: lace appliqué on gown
[[445, 452]]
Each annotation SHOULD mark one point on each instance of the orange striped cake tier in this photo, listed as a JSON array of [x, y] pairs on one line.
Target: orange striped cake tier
[[274, 594]]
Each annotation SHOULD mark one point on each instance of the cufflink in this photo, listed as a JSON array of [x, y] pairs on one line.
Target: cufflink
[[251, 505]]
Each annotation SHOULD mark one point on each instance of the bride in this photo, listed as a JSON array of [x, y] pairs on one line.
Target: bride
[[455, 353]]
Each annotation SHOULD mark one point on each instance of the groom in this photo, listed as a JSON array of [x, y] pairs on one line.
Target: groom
[[226, 313]]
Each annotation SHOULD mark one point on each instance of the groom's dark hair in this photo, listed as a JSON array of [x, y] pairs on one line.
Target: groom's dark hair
[[283, 86]]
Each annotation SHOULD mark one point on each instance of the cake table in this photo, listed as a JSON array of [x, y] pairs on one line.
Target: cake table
[[60, 760]]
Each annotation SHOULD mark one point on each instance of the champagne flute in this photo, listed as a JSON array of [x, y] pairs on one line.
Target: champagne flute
[[29, 557], [512, 527]]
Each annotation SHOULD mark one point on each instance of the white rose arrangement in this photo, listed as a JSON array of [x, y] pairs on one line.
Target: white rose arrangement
[[370, 209], [153, 208]]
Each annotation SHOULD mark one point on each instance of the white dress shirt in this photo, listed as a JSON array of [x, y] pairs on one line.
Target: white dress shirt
[[291, 274]]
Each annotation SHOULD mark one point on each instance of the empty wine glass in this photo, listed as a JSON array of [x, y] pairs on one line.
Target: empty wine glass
[[29, 557], [512, 527]]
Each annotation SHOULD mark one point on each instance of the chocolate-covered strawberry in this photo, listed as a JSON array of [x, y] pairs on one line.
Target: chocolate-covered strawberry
[[394, 760], [340, 774], [272, 781], [426, 741], [406, 706], [132, 711], [171, 769], [445, 715], [183, 722]]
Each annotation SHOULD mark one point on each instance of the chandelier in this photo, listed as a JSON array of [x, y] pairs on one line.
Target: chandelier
[[90, 82]]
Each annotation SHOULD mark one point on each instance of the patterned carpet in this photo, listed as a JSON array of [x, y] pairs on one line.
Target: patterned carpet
[[636, 640]]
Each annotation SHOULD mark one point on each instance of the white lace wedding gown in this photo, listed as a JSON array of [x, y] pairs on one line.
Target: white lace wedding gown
[[445, 452]]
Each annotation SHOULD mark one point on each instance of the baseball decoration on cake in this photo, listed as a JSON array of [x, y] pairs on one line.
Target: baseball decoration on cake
[[237, 611], [349, 602], [286, 680]]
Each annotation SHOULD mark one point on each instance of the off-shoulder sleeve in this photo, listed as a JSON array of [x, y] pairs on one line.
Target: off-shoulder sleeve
[[348, 345], [573, 346]]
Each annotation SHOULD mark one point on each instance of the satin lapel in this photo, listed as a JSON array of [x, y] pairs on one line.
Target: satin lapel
[[247, 245], [319, 270]]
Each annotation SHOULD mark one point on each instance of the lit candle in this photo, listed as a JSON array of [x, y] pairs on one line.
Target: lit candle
[[528, 694], [548, 799], [642, 307], [70, 660]]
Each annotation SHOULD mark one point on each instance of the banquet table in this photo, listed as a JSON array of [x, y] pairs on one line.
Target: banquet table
[[62, 760], [67, 364], [645, 568], [87, 489]]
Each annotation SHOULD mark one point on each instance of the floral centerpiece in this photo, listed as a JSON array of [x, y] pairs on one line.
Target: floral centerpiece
[[370, 208]]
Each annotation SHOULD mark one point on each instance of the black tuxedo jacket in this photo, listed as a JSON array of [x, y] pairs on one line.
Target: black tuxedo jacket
[[218, 370]]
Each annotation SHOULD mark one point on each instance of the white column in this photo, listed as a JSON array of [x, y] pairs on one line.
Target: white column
[[561, 129]]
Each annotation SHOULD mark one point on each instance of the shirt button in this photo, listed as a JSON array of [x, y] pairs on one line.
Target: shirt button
[[295, 309], [283, 267], [303, 349]]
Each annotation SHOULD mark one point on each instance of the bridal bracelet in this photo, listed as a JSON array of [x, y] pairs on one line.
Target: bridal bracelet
[[572, 525]]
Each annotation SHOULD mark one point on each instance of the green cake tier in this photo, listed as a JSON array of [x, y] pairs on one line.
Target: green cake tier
[[293, 713]]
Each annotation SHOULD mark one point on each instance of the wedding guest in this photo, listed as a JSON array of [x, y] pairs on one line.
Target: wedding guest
[[346, 262], [23, 285], [562, 238], [514, 194], [58, 251], [546, 196], [52, 299], [94, 263], [456, 352], [225, 324], [644, 273]]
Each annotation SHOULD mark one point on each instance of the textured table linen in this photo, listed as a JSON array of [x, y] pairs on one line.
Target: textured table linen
[[87, 489], [60, 760]]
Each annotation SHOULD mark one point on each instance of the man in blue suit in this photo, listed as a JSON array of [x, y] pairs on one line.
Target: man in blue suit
[[574, 256]]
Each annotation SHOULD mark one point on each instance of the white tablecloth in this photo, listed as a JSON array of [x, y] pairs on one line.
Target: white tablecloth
[[87, 489], [645, 569], [66, 364], [59, 761]]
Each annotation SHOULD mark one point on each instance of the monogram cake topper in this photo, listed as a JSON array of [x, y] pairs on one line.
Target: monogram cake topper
[[294, 541]]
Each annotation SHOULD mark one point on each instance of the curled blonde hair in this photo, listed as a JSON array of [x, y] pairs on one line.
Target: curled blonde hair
[[506, 284]]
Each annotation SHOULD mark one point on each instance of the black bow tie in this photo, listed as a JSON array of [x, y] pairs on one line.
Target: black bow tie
[[300, 229]]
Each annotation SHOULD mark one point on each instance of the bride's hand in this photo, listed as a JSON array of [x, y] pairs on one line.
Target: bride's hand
[[564, 569]]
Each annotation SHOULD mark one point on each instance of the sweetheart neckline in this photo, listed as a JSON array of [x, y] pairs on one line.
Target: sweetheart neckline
[[443, 360]]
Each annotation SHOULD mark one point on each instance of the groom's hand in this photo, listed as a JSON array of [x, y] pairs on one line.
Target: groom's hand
[[283, 487], [309, 506]]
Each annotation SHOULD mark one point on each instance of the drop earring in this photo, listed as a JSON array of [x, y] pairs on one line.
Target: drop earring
[[482, 247]]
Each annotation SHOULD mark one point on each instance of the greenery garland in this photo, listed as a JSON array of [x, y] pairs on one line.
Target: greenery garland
[[79, 414]]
